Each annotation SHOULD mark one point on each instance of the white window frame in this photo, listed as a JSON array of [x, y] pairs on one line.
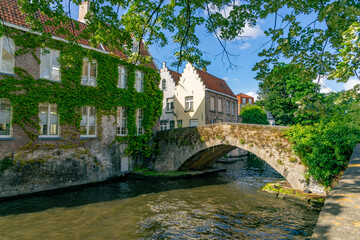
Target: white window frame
[[250, 101], [87, 82], [163, 125], [51, 52], [189, 103], [139, 81], [10, 132], [123, 74], [119, 120], [243, 100], [220, 105], [88, 122], [139, 121], [233, 108], [169, 104], [12, 47], [212, 104], [48, 122]]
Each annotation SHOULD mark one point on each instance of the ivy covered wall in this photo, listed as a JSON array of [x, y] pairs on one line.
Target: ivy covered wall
[[25, 92]]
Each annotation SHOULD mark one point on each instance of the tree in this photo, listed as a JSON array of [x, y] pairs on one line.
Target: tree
[[284, 89], [306, 32], [253, 114]]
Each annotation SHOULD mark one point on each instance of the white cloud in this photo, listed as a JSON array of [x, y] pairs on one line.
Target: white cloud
[[252, 32], [253, 94], [226, 78], [323, 86], [351, 83], [245, 46]]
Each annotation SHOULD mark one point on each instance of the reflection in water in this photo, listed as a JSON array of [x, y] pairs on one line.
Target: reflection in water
[[222, 206]]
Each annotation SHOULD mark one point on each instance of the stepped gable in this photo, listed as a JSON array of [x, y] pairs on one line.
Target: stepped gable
[[10, 13], [214, 83], [175, 75]]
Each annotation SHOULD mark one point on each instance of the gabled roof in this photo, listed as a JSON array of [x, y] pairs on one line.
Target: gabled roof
[[175, 75], [214, 83], [10, 13]]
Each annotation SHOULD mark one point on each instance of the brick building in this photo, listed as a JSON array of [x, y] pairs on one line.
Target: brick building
[[244, 99], [46, 151]]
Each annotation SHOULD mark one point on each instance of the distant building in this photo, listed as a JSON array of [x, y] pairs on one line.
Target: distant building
[[195, 98], [244, 99]]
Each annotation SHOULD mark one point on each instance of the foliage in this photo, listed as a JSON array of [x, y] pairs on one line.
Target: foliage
[[25, 92], [6, 163], [253, 114], [307, 32], [325, 148], [281, 91]]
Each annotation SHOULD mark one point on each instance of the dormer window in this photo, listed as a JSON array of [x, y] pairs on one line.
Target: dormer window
[[7, 60], [89, 73], [49, 66]]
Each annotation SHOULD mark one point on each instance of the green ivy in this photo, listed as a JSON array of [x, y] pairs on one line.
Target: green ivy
[[25, 92]]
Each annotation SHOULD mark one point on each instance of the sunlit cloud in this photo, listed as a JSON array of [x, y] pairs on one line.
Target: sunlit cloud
[[324, 88], [351, 83], [253, 94]]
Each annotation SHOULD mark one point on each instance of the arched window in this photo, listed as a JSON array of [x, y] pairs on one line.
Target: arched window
[[163, 84]]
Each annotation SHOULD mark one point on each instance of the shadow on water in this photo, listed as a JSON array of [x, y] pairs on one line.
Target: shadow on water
[[129, 188]]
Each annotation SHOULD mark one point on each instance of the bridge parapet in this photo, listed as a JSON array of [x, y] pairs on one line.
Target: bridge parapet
[[199, 147]]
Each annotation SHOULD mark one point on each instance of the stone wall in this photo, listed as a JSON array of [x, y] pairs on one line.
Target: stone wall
[[31, 166], [198, 148]]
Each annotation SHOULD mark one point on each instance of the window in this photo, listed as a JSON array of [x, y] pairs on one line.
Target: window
[[163, 125], [179, 123], [88, 122], [233, 109], [189, 103], [49, 66], [212, 104], [7, 60], [49, 120], [163, 84], [139, 121], [243, 100], [219, 105], [121, 128], [250, 101], [169, 104], [172, 124], [122, 81], [213, 121], [139, 81], [193, 122], [89, 73], [227, 107], [5, 117]]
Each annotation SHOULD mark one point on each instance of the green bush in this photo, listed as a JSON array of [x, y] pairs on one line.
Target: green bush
[[6, 164], [253, 114], [325, 148]]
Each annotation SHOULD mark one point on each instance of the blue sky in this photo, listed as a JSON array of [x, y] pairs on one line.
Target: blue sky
[[246, 49]]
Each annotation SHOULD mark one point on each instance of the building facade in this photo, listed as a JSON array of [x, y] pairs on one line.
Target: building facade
[[244, 99], [199, 98], [67, 117]]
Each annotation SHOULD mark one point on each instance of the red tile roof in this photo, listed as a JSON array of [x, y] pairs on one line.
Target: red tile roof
[[175, 75], [10, 13], [215, 83]]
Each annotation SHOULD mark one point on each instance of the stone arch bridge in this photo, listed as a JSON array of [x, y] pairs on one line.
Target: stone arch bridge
[[197, 148]]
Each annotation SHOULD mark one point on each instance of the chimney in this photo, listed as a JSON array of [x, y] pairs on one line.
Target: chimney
[[84, 8]]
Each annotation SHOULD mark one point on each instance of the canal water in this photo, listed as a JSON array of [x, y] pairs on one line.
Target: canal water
[[225, 205]]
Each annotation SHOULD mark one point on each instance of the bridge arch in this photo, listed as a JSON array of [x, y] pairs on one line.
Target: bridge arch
[[197, 148]]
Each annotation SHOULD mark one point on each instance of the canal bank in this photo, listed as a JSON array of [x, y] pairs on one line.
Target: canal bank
[[218, 206], [340, 216]]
